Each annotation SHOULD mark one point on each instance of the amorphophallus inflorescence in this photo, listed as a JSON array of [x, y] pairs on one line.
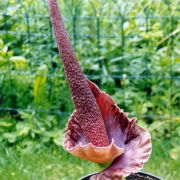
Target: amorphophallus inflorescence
[[98, 130]]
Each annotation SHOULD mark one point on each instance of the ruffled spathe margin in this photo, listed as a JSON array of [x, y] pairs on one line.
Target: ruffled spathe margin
[[130, 144]]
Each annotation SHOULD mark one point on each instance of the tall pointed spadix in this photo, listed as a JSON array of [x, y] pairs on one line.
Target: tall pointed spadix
[[88, 113]]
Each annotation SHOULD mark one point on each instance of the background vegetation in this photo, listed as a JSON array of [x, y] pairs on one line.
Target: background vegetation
[[129, 48]]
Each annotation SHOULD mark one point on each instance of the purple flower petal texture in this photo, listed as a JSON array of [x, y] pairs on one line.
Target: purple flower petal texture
[[135, 140], [98, 130], [123, 132]]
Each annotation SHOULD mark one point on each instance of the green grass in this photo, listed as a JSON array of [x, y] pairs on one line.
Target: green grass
[[161, 164], [54, 163], [48, 163]]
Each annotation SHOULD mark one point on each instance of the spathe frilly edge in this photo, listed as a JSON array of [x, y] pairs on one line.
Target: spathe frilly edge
[[132, 142]]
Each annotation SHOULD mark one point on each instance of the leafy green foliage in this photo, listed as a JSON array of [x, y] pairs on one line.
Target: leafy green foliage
[[130, 49]]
